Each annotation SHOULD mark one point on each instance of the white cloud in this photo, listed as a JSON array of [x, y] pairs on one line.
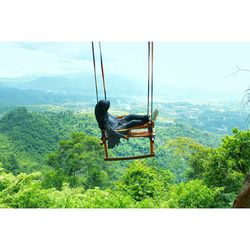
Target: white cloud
[[42, 58]]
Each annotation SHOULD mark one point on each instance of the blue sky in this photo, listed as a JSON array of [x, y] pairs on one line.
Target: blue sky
[[182, 65]]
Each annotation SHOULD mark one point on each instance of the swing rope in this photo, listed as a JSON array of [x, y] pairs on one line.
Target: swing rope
[[150, 75], [152, 71], [102, 68], [150, 78], [93, 54]]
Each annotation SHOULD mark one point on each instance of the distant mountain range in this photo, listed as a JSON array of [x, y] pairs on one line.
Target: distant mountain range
[[74, 84], [50, 89], [14, 96], [82, 84]]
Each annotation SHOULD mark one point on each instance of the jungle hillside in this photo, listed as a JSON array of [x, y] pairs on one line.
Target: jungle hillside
[[51, 157]]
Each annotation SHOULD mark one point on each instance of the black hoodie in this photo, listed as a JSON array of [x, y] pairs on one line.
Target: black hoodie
[[108, 122], [101, 111]]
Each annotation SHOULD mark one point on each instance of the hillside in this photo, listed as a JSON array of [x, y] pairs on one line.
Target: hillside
[[15, 96], [32, 136], [57, 154]]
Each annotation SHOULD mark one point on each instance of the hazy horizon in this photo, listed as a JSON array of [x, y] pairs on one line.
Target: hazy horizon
[[182, 70]]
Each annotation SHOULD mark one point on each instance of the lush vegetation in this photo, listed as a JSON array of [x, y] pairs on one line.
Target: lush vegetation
[[53, 159]]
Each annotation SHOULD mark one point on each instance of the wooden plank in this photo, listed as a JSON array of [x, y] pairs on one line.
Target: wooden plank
[[128, 157], [142, 134]]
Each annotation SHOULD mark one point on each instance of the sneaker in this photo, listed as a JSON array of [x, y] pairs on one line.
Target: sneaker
[[155, 114]]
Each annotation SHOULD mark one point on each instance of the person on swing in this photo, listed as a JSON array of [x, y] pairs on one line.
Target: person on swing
[[110, 123]]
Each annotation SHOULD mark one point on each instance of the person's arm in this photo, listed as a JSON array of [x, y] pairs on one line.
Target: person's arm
[[115, 133]]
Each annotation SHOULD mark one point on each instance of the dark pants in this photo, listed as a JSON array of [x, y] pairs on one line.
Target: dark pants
[[130, 121]]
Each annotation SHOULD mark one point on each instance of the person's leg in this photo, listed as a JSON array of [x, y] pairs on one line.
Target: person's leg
[[131, 124], [131, 117]]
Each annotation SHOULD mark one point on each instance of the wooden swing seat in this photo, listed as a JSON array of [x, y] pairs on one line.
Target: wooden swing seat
[[128, 157], [133, 132]]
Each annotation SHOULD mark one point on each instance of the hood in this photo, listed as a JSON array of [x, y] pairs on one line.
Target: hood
[[103, 106], [101, 109]]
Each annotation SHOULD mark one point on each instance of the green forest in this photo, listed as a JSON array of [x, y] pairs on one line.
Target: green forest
[[54, 160]]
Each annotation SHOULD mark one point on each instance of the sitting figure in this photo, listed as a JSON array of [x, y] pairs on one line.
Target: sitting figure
[[110, 123]]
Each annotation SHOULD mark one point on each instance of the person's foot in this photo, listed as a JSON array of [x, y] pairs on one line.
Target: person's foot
[[155, 114]]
